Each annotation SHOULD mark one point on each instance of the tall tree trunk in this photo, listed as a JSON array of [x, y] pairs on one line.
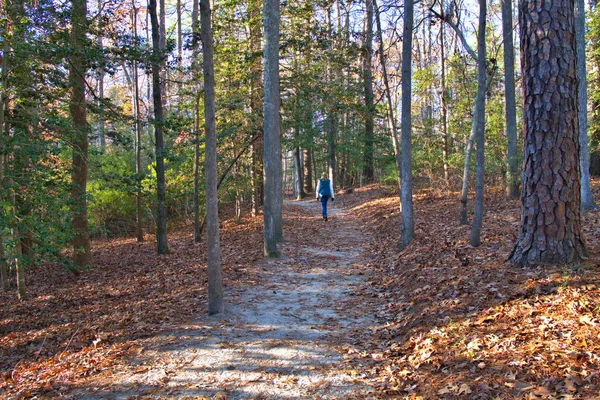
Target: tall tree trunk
[[215, 282], [197, 226], [408, 223], [4, 133], [278, 203], [445, 145], [195, 51], [308, 186], [82, 255], [464, 194], [388, 97], [480, 135], [271, 124], [101, 128], [512, 167], [161, 196], [587, 200], [163, 48], [256, 149], [550, 226], [368, 161], [139, 233]]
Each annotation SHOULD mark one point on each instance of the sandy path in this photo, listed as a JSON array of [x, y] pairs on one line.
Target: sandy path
[[284, 339]]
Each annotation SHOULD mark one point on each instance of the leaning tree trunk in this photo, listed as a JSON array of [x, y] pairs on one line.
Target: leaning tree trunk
[[512, 167], [587, 200], [550, 226], [161, 206], [82, 255], [408, 223], [215, 283], [480, 130], [271, 125]]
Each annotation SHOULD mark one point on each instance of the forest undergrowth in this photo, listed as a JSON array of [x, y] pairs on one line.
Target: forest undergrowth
[[459, 322]]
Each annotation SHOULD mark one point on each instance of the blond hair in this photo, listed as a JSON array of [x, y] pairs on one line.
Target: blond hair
[[324, 175]]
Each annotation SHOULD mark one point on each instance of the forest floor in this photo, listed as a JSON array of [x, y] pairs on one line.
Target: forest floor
[[343, 313]]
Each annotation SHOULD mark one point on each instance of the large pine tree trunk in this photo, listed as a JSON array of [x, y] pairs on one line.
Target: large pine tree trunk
[[368, 161], [480, 130], [408, 223], [587, 201], [550, 226], [82, 255], [161, 206], [215, 283], [512, 167], [271, 125]]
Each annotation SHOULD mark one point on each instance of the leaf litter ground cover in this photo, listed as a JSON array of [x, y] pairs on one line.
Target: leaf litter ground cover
[[461, 323], [437, 320]]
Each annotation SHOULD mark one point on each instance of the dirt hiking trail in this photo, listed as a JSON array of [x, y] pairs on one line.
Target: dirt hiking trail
[[290, 336]]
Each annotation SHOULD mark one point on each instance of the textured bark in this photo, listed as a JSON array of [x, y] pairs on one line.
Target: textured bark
[[388, 97], [550, 225], [510, 108], [368, 161], [215, 282], [161, 198], [101, 127], [587, 201], [408, 223], [308, 186], [480, 128], [82, 255], [271, 124]]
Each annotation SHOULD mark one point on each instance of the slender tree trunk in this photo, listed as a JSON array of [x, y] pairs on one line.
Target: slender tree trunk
[[388, 97], [271, 123], [101, 128], [138, 139], [197, 226], [4, 133], [408, 223], [550, 226], [308, 186], [256, 175], [480, 135], [278, 203], [512, 167], [195, 51], [587, 200], [82, 255], [161, 206], [445, 145], [179, 37], [163, 49], [298, 168], [368, 161], [215, 282]]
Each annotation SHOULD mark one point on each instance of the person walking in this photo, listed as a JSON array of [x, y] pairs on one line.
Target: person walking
[[324, 192]]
